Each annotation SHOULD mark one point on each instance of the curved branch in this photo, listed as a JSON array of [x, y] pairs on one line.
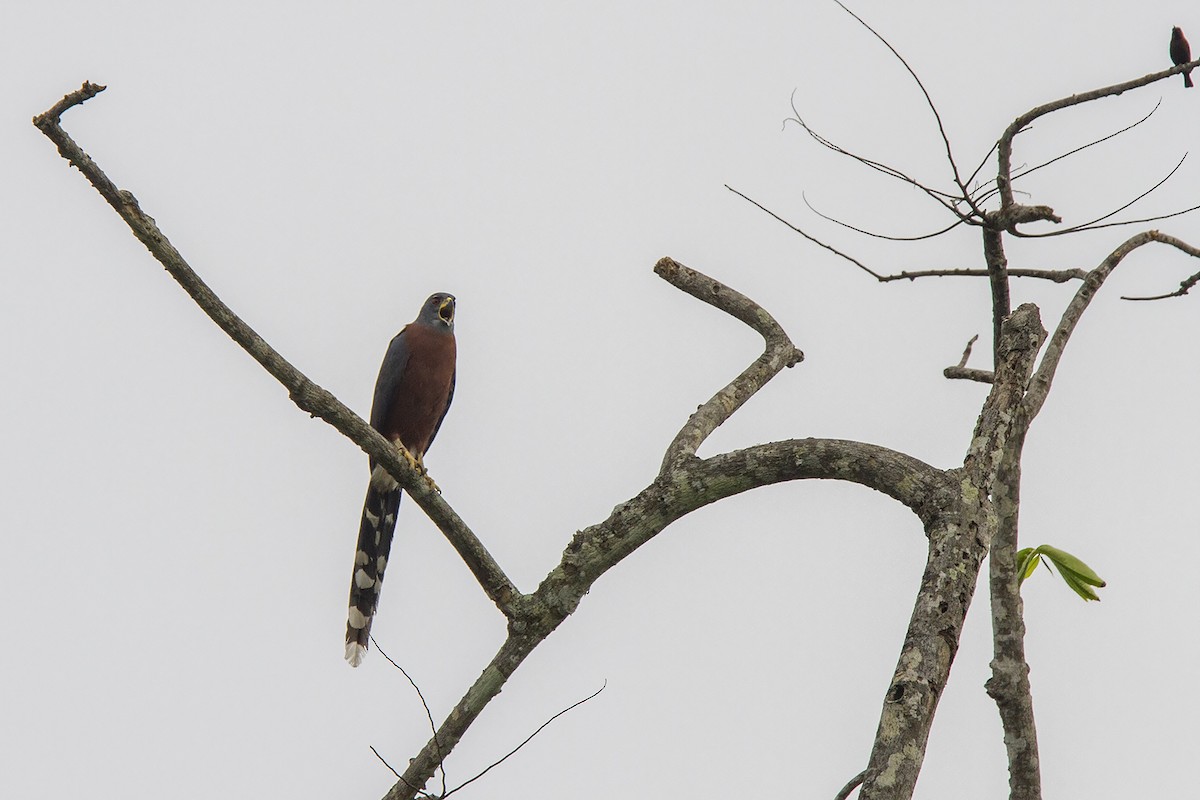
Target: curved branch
[[689, 484], [779, 354], [1081, 148], [1004, 150], [307, 395], [994, 190], [1039, 386]]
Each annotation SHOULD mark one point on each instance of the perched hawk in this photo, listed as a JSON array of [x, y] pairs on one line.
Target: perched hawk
[[412, 395]]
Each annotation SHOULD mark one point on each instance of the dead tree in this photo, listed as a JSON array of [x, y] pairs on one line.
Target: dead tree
[[967, 511]]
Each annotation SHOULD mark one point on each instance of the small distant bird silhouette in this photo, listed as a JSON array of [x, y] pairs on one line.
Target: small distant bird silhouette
[[1181, 53]]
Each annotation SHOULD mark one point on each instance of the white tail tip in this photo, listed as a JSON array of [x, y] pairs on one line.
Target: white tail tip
[[355, 653]]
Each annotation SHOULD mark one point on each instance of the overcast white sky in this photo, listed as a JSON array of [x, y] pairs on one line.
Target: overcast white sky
[[176, 538]]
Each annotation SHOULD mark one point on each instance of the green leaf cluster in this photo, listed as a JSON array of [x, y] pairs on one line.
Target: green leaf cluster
[[1076, 574]]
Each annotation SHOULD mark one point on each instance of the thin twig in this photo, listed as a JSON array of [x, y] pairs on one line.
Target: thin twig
[[419, 792], [428, 713], [528, 739], [929, 101], [1184, 287], [947, 200], [812, 239], [1081, 148], [1093, 224], [874, 235]]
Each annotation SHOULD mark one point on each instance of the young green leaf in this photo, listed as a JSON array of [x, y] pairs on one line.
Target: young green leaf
[[1076, 574], [1027, 561], [1069, 563]]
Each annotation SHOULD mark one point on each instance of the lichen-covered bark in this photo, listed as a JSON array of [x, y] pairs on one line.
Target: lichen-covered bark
[[1009, 685], [959, 537]]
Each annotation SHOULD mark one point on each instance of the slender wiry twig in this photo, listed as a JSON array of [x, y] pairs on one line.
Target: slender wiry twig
[[1121, 224], [527, 740], [946, 200], [812, 239], [1024, 172], [928, 100], [1021, 173], [424, 704], [1094, 224], [874, 235]]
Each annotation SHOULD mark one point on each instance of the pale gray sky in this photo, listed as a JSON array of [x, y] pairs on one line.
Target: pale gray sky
[[177, 538]]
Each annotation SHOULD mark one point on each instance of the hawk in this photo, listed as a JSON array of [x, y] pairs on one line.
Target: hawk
[[412, 394]]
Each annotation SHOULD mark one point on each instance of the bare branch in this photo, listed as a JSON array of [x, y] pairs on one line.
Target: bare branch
[[944, 199], [428, 716], [1039, 386], [385, 762], [928, 100], [963, 372], [779, 354], [969, 374], [1022, 173], [1055, 275], [962, 362], [528, 739], [307, 395], [1185, 286], [815, 241], [975, 173], [1081, 148], [918, 238], [1088, 226], [1004, 149]]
